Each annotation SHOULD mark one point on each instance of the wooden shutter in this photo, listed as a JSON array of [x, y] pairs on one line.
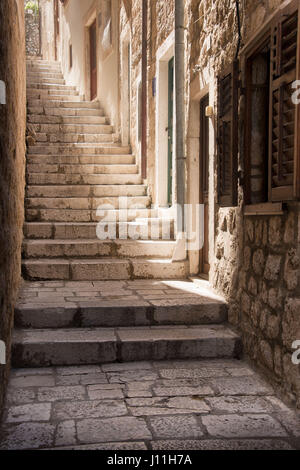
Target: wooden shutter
[[227, 140], [284, 147]]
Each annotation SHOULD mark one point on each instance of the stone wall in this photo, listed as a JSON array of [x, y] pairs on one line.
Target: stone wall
[[254, 260], [32, 23], [12, 165]]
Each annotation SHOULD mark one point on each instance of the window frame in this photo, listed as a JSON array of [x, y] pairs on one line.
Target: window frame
[[251, 48]]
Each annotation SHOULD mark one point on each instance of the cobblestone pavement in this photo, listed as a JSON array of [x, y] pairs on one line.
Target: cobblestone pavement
[[181, 405]]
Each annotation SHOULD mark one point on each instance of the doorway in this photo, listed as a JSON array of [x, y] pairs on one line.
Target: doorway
[[204, 182], [93, 60], [170, 127]]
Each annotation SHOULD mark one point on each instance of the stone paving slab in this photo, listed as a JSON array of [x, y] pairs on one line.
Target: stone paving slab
[[168, 405]]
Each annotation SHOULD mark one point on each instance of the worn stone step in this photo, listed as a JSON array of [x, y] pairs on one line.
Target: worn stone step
[[102, 269], [161, 229], [79, 169], [33, 97], [86, 191], [96, 248], [40, 348], [62, 128], [34, 81], [75, 138], [60, 104], [78, 149], [50, 86], [88, 215], [79, 203], [41, 119], [51, 92], [45, 112], [41, 69], [33, 61], [36, 76], [83, 309], [72, 179], [81, 160]]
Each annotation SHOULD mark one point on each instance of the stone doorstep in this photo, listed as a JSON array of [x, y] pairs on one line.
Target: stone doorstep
[[40, 348]]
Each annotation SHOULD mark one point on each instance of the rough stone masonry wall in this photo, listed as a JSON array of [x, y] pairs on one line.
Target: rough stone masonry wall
[[32, 23], [257, 259], [12, 166]]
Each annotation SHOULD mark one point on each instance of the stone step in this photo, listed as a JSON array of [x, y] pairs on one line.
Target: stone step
[[78, 149], [88, 215], [72, 179], [33, 97], [154, 229], [50, 86], [107, 269], [86, 191], [62, 94], [45, 112], [75, 138], [81, 160], [38, 69], [41, 119], [96, 248], [63, 128], [140, 202], [37, 76], [45, 347], [46, 79], [30, 61], [79, 169], [60, 104], [78, 308]]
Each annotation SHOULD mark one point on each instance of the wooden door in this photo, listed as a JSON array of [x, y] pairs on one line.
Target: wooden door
[[93, 60], [204, 182], [170, 127]]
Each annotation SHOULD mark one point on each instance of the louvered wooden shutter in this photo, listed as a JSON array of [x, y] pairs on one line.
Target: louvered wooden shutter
[[283, 149], [228, 137]]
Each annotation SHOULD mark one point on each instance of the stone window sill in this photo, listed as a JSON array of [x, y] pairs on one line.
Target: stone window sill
[[267, 208]]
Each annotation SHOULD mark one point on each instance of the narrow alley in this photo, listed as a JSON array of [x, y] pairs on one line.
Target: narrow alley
[[150, 245]]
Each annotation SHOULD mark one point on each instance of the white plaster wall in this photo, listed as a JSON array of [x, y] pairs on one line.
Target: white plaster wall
[[72, 31], [74, 21]]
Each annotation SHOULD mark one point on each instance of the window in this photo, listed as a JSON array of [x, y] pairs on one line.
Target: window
[[228, 88], [272, 118], [271, 132]]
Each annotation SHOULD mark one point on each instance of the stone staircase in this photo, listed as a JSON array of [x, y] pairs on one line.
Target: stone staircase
[[86, 301], [77, 166]]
